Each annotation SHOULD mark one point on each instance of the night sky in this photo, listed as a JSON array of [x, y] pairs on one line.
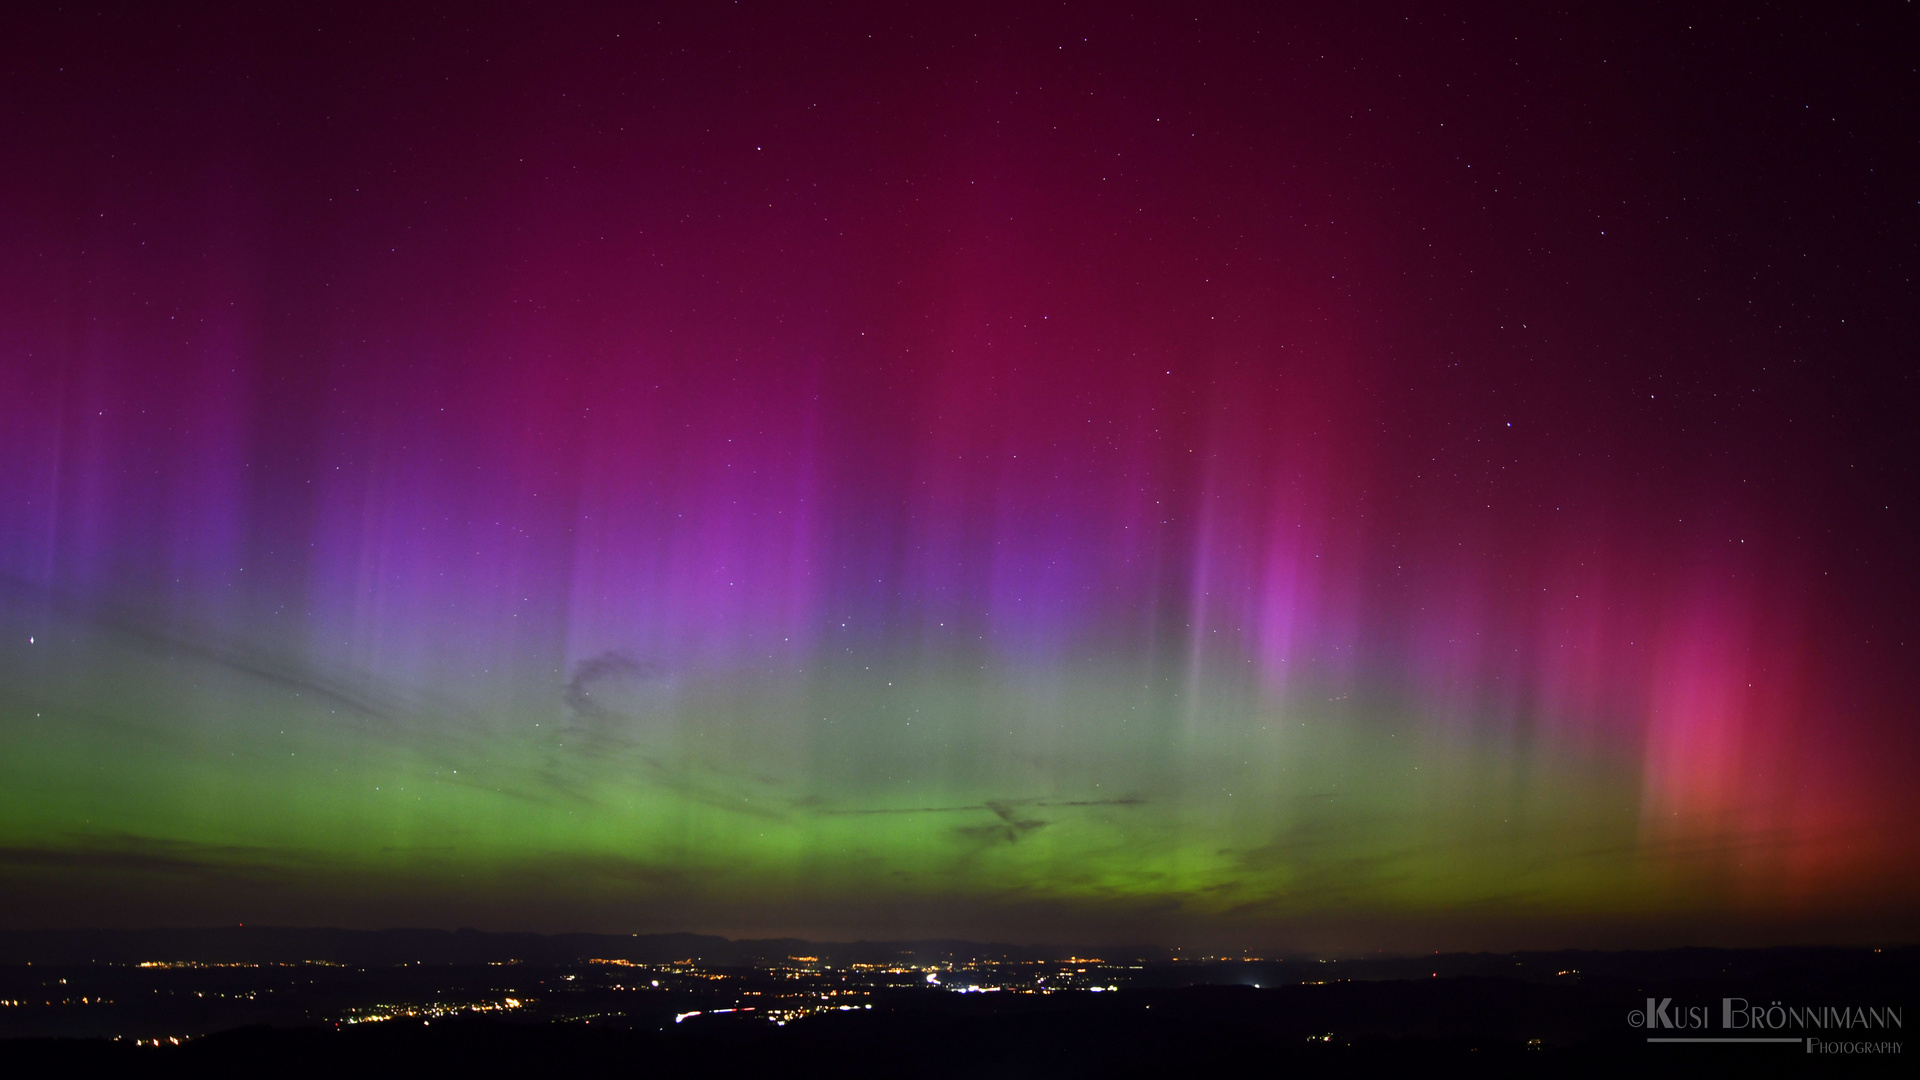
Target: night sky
[[1252, 476]]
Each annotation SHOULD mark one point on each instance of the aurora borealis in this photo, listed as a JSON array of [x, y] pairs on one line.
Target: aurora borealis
[[1272, 478]]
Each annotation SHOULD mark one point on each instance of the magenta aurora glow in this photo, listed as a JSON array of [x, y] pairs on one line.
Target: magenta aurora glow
[[1411, 481]]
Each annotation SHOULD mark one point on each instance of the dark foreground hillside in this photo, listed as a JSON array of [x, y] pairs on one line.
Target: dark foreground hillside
[[1466, 1026]]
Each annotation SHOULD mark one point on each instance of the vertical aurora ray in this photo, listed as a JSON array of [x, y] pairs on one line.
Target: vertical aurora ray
[[765, 523]]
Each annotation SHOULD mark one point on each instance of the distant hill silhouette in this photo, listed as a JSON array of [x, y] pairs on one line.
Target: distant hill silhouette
[[385, 948]]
